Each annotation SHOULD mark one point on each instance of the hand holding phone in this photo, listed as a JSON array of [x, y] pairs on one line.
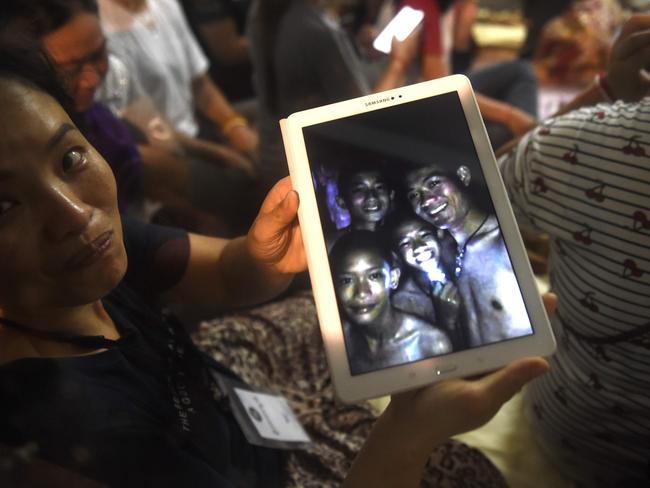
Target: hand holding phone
[[400, 27]]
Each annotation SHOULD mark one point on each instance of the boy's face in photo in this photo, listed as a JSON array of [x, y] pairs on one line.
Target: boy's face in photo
[[436, 197], [367, 197], [417, 244], [364, 281]]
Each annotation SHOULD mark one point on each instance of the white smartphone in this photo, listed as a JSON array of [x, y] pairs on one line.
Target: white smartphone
[[417, 266], [400, 27]]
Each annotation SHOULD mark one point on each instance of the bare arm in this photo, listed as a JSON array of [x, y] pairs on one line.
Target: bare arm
[[414, 422], [209, 99], [392, 77], [516, 120], [216, 153], [249, 269], [626, 76], [402, 439], [213, 104], [591, 96], [464, 16], [401, 55], [434, 67]]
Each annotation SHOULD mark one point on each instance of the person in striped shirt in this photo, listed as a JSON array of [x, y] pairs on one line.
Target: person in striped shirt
[[584, 178]]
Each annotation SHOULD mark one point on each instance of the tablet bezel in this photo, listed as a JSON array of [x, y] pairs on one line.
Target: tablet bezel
[[411, 375]]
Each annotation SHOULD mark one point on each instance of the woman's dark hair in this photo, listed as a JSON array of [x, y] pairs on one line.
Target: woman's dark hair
[[23, 59], [268, 18], [40, 17]]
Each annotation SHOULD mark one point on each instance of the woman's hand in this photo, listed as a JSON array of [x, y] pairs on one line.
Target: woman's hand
[[274, 238], [456, 406], [460, 405], [416, 421]]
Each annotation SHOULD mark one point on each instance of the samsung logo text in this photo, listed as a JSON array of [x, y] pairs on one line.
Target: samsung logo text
[[375, 102]]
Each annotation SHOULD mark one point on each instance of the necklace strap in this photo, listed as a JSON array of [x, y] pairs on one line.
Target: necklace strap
[[460, 253], [90, 342]]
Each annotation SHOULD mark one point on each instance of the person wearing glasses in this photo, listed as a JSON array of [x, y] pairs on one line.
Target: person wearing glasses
[[147, 159]]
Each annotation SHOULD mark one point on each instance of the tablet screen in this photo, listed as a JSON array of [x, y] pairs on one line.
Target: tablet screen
[[418, 261]]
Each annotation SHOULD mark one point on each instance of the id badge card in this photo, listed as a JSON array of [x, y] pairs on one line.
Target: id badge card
[[265, 418]]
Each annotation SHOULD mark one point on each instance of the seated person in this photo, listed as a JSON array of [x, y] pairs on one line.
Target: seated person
[[506, 92], [219, 25], [481, 265], [376, 334], [145, 168], [154, 39], [82, 74], [426, 288], [94, 380], [590, 415], [283, 31]]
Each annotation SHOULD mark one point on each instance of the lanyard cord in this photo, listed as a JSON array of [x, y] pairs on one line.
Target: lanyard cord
[[101, 342], [91, 342]]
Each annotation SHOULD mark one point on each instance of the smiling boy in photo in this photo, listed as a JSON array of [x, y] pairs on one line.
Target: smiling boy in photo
[[377, 335]]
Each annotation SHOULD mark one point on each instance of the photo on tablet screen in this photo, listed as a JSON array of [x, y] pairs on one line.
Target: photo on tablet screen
[[418, 261]]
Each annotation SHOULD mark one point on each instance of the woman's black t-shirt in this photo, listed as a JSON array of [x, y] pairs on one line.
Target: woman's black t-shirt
[[145, 412]]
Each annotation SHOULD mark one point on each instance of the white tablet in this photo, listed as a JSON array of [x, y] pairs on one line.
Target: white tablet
[[416, 263]]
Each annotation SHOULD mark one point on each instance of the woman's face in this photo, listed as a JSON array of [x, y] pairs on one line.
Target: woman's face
[[60, 231]]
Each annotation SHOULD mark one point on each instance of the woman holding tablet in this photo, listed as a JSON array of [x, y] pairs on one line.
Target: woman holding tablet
[[95, 381]]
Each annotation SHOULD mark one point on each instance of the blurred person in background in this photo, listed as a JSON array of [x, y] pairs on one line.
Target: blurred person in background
[[302, 59], [220, 27], [154, 40], [506, 92], [146, 157]]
